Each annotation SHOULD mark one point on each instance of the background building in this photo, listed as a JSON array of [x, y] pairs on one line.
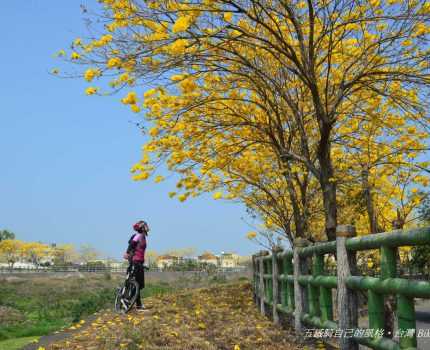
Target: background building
[[164, 261], [208, 258], [228, 260]]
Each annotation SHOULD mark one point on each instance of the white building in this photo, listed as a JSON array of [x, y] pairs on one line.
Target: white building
[[164, 261], [228, 260], [208, 258]]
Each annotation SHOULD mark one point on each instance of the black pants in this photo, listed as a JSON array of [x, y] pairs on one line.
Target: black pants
[[139, 273]]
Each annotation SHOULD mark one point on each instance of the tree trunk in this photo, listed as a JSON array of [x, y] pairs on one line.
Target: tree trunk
[[328, 187], [367, 194], [330, 209], [300, 220], [328, 183]]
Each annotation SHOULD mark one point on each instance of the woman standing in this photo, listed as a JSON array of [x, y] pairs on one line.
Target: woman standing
[[136, 256]]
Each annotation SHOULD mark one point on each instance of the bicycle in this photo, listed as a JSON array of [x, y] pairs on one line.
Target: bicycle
[[126, 295]]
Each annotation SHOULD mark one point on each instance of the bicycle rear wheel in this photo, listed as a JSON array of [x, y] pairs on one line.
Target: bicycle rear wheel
[[126, 296]]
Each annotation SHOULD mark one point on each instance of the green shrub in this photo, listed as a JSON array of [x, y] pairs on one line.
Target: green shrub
[[90, 303]]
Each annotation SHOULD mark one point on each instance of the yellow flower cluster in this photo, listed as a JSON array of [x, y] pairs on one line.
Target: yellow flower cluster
[[103, 41], [114, 62], [91, 90], [177, 47], [217, 195], [130, 99], [91, 73], [182, 24]]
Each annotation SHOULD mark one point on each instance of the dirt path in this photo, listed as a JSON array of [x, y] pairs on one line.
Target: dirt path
[[222, 318], [60, 335]]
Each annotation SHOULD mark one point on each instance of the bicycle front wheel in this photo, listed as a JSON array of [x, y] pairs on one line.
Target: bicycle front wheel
[[126, 296], [119, 305]]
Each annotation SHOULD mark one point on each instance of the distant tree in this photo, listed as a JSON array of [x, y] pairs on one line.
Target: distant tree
[[88, 253], [189, 251], [181, 252], [191, 265], [65, 254], [5, 234], [182, 266], [35, 251], [11, 249], [151, 258], [208, 267]]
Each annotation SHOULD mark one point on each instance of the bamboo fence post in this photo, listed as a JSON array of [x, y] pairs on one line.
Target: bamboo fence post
[[317, 266], [283, 283], [289, 287], [300, 299], [261, 281], [254, 278], [275, 284], [325, 294], [347, 303]]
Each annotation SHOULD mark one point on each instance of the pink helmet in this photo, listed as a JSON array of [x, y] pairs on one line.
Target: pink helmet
[[141, 226]]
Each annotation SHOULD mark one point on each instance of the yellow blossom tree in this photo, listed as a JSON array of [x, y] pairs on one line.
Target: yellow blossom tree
[[35, 251], [11, 249], [304, 79]]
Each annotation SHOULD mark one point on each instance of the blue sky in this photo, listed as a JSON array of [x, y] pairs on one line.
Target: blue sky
[[65, 157]]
